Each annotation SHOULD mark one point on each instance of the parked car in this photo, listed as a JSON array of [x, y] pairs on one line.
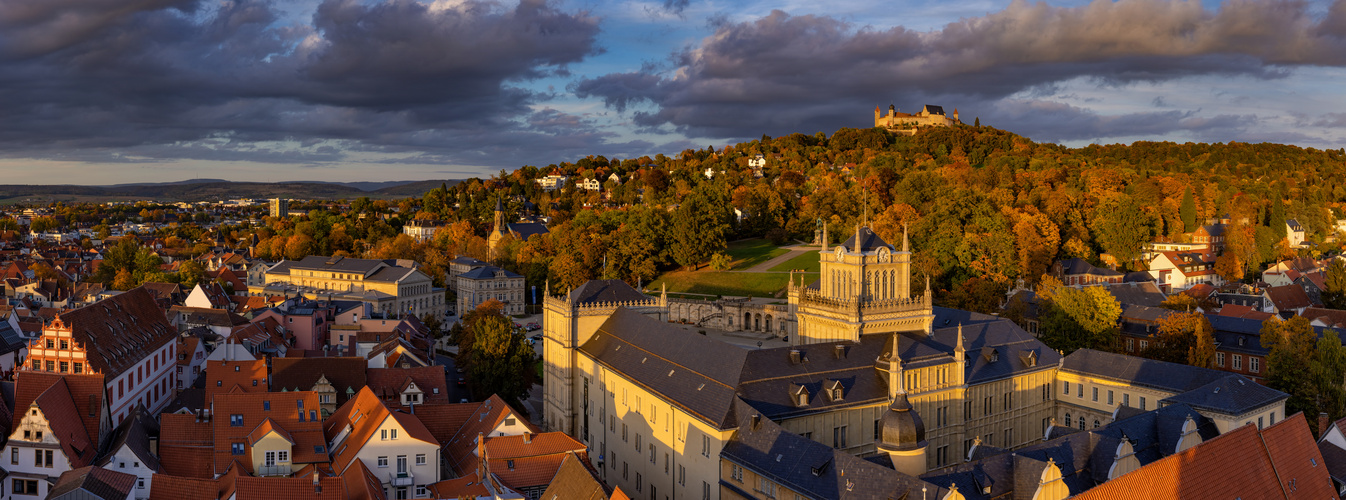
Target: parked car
[[536, 336], [534, 326]]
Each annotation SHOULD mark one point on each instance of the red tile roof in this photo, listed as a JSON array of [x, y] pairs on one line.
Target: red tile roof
[[289, 488], [468, 486], [388, 383], [345, 373], [1288, 297], [575, 480], [86, 392], [284, 411], [1281, 461], [186, 446], [63, 417], [444, 420], [530, 460], [462, 448], [223, 376], [118, 332], [166, 487], [361, 417]]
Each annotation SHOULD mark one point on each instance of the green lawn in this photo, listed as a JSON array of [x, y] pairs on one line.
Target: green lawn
[[748, 253], [724, 283], [808, 261]]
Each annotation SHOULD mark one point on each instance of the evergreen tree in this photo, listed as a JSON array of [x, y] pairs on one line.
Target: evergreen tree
[[1277, 219], [976, 122], [1188, 211], [1334, 293]]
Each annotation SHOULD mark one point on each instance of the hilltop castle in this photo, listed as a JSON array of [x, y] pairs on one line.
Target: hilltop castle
[[903, 123]]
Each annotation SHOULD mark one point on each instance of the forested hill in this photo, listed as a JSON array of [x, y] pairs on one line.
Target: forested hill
[[985, 207]]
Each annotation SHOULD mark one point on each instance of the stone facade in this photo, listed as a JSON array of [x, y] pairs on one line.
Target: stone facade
[[929, 116]]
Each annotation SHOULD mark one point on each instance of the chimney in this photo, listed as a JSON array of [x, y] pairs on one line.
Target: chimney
[[527, 438], [795, 356], [839, 350], [1322, 424], [315, 476]]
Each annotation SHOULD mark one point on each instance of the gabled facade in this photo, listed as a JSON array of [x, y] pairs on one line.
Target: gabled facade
[[191, 353], [131, 451], [58, 424], [267, 433], [126, 339], [395, 446]]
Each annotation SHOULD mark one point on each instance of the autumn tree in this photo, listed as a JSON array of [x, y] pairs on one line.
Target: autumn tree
[[1180, 302], [1334, 291], [1306, 367], [1074, 318], [123, 280], [1185, 337], [699, 227], [497, 356]]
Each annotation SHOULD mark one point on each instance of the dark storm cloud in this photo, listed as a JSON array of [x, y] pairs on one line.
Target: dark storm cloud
[[1057, 122], [783, 72], [172, 77]]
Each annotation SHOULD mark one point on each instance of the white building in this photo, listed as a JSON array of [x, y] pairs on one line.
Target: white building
[[396, 447]]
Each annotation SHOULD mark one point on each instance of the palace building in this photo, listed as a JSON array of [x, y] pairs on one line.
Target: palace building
[[388, 286], [873, 372]]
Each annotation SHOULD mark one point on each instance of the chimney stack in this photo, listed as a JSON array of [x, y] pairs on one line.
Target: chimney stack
[[1322, 424]]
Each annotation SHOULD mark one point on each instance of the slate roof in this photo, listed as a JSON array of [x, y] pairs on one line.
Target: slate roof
[[1077, 266], [1231, 395], [810, 467], [606, 291], [134, 433], [703, 375], [93, 481], [488, 272], [523, 230], [1144, 293], [11, 340], [332, 264], [692, 371], [118, 332], [869, 241]]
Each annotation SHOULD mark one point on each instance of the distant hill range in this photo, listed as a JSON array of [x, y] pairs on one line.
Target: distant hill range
[[219, 189]]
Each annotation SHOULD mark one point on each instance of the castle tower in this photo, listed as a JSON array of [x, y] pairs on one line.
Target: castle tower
[[569, 321], [864, 288]]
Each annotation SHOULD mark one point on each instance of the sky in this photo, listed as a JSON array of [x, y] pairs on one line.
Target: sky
[[121, 91]]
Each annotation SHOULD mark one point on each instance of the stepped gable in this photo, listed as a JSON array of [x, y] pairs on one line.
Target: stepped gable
[[695, 372], [118, 332]]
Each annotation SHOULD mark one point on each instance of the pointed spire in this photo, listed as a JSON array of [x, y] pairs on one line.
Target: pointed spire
[[824, 236], [896, 382], [857, 238], [906, 247], [959, 352]]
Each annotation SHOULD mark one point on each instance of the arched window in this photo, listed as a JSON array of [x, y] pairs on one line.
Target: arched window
[[1095, 424], [1067, 420], [1081, 422]]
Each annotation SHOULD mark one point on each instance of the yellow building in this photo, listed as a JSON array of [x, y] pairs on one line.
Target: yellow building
[[864, 288], [904, 123], [388, 286], [874, 373]]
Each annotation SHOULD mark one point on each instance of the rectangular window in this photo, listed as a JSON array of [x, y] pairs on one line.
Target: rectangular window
[[1079, 391], [24, 487], [1238, 362], [1095, 391], [1254, 364], [49, 456], [283, 456], [839, 437], [1219, 359], [236, 448], [1130, 345], [1126, 399], [1142, 403], [420, 459], [1144, 344], [14, 455], [236, 420], [705, 446], [1109, 398], [383, 462]]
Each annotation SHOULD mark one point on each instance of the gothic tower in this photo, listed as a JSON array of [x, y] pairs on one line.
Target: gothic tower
[[864, 288], [501, 228]]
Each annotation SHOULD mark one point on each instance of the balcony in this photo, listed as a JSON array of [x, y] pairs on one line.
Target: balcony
[[274, 470], [401, 479]]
